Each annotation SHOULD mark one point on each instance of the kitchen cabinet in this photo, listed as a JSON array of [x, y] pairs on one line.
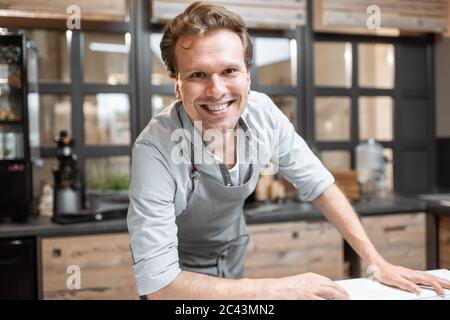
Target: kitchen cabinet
[[18, 274], [400, 238], [444, 242], [283, 249], [104, 263]]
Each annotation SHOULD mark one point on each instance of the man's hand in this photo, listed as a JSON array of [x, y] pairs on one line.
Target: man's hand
[[307, 286], [407, 279]]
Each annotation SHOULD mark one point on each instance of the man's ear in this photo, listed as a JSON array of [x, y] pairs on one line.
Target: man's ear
[[249, 80]]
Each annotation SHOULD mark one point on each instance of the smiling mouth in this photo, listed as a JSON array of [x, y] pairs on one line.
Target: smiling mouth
[[217, 108]]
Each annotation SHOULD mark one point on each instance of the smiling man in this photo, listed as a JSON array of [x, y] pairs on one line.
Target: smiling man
[[213, 82], [187, 229], [216, 98]]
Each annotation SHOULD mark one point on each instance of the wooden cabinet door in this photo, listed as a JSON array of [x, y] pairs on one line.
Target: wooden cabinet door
[[284, 249], [104, 262], [400, 238], [444, 242]]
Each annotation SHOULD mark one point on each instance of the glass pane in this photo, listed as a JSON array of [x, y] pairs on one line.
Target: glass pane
[[11, 98], [107, 119], [160, 102], [34, 125], [43, 174], [376, 118], [333, 64], [332, 116], [11, 142], [32, 67], [54, 116], [53, 54], [336, 159], [159, 72], [288, 105], [107, 173], [376, 65], [276, 60], [106, 58]]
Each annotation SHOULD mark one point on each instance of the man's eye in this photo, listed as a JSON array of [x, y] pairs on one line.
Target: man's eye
[[197, 75], [230, 71]]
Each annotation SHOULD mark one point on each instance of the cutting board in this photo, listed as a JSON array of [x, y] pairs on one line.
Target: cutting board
[[367, 289]]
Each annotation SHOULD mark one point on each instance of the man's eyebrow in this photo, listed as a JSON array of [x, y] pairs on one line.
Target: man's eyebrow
[[190, 70], [228, 65], [233, 65]]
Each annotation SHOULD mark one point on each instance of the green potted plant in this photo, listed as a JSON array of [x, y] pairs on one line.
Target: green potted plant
[[106, 186]]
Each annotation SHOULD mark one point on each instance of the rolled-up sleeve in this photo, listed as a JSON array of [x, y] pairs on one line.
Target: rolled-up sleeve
[[296, 161], [151, 220]]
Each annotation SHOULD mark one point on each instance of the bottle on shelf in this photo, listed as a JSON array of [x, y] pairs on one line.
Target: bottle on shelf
[[371, 168]]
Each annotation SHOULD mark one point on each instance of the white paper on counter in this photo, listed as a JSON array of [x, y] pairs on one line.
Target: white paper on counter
[[366, 289]]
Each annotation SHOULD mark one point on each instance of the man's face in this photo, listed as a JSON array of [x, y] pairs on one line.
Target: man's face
[[212, 79]]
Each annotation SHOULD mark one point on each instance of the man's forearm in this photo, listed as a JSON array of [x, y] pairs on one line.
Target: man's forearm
[[189, 285], [336, 208]]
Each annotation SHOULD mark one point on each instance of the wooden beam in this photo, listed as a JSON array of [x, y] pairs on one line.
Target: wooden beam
[[407, 15], [256, 13]]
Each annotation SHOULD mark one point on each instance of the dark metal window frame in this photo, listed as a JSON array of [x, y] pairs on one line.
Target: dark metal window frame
[[354, 93], [77, 89], [140, 89], [397, 93]]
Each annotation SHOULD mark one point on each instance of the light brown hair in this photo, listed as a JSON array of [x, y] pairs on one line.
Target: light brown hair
[[199, 18]]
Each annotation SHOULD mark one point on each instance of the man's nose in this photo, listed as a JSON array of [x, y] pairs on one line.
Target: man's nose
[[215, 87]]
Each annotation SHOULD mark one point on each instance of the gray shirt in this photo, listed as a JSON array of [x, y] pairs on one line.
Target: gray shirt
[[160, 186]]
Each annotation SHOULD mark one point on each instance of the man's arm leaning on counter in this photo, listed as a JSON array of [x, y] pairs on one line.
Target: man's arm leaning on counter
[[336, 208], [189, 285]]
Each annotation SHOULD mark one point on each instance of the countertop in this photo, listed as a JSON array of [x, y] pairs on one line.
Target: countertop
[[255, 213], [437, 203], [293, 211]]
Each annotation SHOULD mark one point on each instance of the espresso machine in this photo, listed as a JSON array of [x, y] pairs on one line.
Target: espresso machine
[[67, 189]]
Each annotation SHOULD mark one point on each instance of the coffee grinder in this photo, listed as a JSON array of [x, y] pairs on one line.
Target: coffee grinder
[[67, 190]]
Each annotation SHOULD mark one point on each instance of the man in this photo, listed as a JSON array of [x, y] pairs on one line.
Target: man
[[186, 223]]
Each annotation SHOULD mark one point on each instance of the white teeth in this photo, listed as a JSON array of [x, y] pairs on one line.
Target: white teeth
[[219, 107]]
